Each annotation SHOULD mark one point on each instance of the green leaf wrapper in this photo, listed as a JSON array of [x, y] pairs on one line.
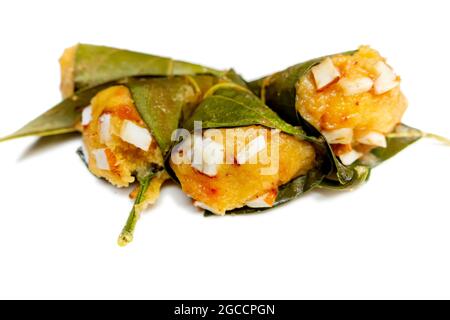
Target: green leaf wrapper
[[161, 102], [399, 139], [164, 91], [96, 65], [228, 105], [96, 68], [60, 119]]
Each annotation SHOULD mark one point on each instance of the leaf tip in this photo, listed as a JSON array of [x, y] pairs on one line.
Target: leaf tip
[[125, 238]]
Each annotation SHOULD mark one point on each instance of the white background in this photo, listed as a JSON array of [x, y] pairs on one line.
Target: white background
[[58, 224]]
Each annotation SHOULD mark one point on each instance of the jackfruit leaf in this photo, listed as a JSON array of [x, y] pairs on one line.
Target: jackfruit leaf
[[162, 102], [229, 105], [60, 119], [96, 65]]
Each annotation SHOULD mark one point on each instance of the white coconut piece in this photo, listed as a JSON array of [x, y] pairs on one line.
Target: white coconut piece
[[355, 86], [325, 73], [86, 116], [85, 152], [212, 155], [105, 128], [260, 202], [135, 135], [387, 80], [373, 138], [349, 157], [101, 159], [212, 151], [339, 136], [182, 152], [197, 158], [201, 205], [251, 149]]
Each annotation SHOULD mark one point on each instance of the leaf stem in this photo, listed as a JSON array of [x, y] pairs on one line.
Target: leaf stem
[[419, 134], [408, 134], [126, 236], [437, 137]]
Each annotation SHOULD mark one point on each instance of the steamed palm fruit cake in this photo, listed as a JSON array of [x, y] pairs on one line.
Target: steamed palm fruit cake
[[354, 100], [117, 143], [234, 172]]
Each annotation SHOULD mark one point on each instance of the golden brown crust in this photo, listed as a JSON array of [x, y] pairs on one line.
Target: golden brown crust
[[236, 184], [330, 108]]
